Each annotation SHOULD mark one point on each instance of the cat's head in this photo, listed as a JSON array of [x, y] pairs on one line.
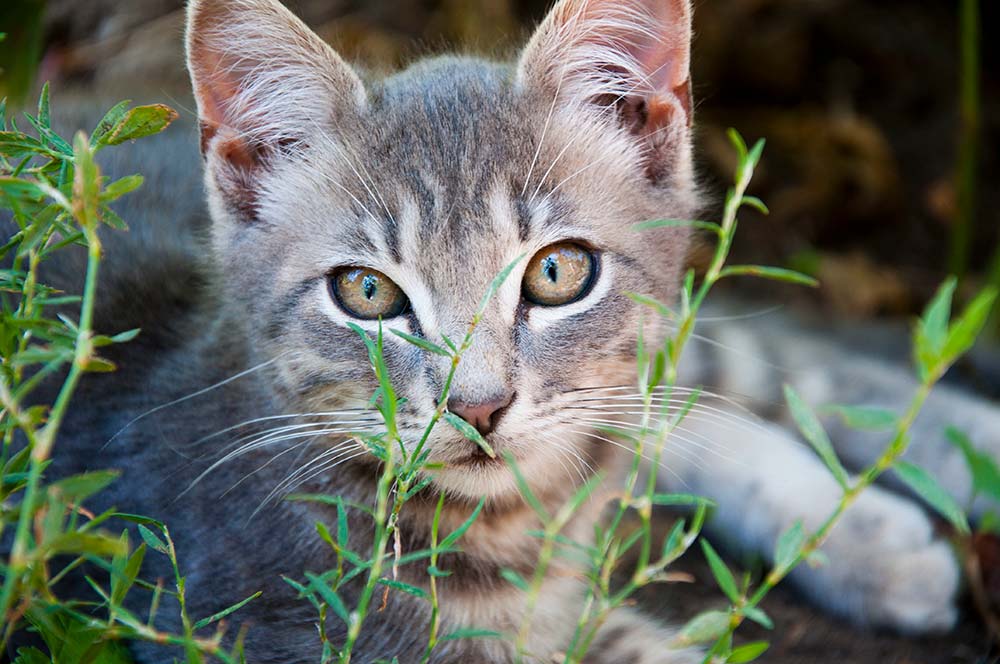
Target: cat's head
[[337, 201]]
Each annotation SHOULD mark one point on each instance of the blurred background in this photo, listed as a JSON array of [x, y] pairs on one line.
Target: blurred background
[[882, 169]]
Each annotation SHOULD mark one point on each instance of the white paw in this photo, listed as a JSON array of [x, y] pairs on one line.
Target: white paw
[[886, 568]]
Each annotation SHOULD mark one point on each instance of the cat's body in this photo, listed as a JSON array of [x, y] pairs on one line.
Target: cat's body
[[439, 177]]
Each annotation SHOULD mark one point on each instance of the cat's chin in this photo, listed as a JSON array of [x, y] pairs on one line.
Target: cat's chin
[[491, 480]]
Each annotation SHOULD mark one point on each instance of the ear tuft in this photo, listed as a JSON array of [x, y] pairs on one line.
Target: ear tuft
[[626, 59]]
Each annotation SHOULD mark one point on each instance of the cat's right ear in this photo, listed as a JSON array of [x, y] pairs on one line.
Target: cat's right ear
[[264, 82]]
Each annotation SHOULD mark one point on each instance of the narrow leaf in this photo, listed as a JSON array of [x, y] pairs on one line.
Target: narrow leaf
[[927, 488], [214, 618], [786, 551], [864, 418], [748, 652], [816, 435], [721, 572], [773, 273], [469, 432], [421, 343]]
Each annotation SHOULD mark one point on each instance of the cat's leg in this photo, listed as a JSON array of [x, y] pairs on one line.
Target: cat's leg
[[885, 566], [629, 636]]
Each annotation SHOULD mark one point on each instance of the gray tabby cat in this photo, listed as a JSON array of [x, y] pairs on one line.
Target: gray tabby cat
[[337, 201]]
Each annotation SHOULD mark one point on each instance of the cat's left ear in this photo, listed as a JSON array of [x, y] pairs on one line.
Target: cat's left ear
[[626, 60]]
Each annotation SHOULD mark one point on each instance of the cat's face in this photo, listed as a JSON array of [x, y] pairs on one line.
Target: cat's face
[[336, 204]]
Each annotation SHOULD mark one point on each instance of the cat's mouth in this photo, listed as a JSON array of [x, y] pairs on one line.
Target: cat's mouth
[[477, 458]]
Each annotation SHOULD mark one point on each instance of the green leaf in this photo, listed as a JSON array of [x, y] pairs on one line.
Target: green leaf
[[786, 551], [24, 190], [329, 596], [773, 273], [748, 652], [721, 572], [80, 487], [461, 530], [497, 282], [679, 499], [984, 469], [864, 418], [737, 142], [710, 226], [432, 570], [673, 541], [758, 616], [44, 114], [935, 320], [124, 337], [136, 123], [927, 488], [705, 627], [421, 343], [214, 618], [932, 329], [153, 540], [100, 365], [963, 333], [123, 577], [753, 157], [515, 579], [652, 303], [120, 187], [31, 656], [472, 633], [755, 203], [86, 183], [404, 587], [469, 432], [93, 543], [816, 435]]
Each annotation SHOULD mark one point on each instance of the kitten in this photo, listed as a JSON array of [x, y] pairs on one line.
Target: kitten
[[335, 200]]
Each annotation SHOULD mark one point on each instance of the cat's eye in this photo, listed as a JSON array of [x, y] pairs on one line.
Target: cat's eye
[[559, 274], [367, 294]]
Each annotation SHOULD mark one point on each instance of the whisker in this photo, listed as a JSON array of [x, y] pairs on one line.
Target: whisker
[[193, 395], [259, 443], [271, 418], [733, 422], [710, 447], [605, 439], [289, 484]]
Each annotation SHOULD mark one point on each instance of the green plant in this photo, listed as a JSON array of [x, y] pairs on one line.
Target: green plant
[[57, 197], [938, 343]]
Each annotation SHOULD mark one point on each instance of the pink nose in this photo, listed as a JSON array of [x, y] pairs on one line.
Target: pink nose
[[482, 415]]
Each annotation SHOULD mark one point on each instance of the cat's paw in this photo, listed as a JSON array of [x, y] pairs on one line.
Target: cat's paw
[[886, 568]]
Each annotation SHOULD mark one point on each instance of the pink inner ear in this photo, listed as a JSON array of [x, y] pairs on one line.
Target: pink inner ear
[[655, 33]]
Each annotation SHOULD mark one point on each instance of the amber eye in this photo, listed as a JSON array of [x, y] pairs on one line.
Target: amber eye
[[559, 274], [367, 294]]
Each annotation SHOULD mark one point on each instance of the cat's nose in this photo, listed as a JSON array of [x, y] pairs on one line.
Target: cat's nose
[[484, 414]]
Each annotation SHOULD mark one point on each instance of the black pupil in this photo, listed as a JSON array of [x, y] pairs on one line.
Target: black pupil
[[369, 284], [550, 268]]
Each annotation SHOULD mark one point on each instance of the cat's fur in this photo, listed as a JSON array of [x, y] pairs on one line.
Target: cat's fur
[[439, 176]]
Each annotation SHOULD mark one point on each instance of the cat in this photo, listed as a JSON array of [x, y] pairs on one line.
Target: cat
[[334, 200]]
